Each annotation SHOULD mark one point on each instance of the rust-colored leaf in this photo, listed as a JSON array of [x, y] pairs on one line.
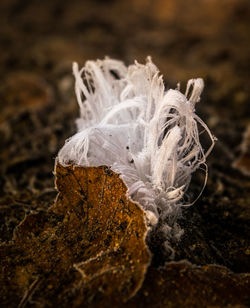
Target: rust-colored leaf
[[23, 90], [182, 284], [88, 248]]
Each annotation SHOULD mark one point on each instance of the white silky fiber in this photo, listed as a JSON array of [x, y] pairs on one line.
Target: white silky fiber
[[147, 134]]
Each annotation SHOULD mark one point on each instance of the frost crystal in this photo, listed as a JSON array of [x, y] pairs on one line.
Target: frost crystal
[[150, 136]]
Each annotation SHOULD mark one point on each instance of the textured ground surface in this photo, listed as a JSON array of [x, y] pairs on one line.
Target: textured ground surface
[[209, 39]]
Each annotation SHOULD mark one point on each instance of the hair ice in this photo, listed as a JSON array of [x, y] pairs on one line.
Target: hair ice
[[129, 122]]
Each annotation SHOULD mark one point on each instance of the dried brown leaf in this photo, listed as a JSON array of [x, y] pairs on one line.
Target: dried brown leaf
[[182, 284], [88, 248]]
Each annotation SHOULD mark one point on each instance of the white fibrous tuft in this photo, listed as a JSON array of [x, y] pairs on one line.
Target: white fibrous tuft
[[147, 134]]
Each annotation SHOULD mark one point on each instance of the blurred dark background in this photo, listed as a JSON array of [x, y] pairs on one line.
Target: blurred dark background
[[206, 38], [197, 38]]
